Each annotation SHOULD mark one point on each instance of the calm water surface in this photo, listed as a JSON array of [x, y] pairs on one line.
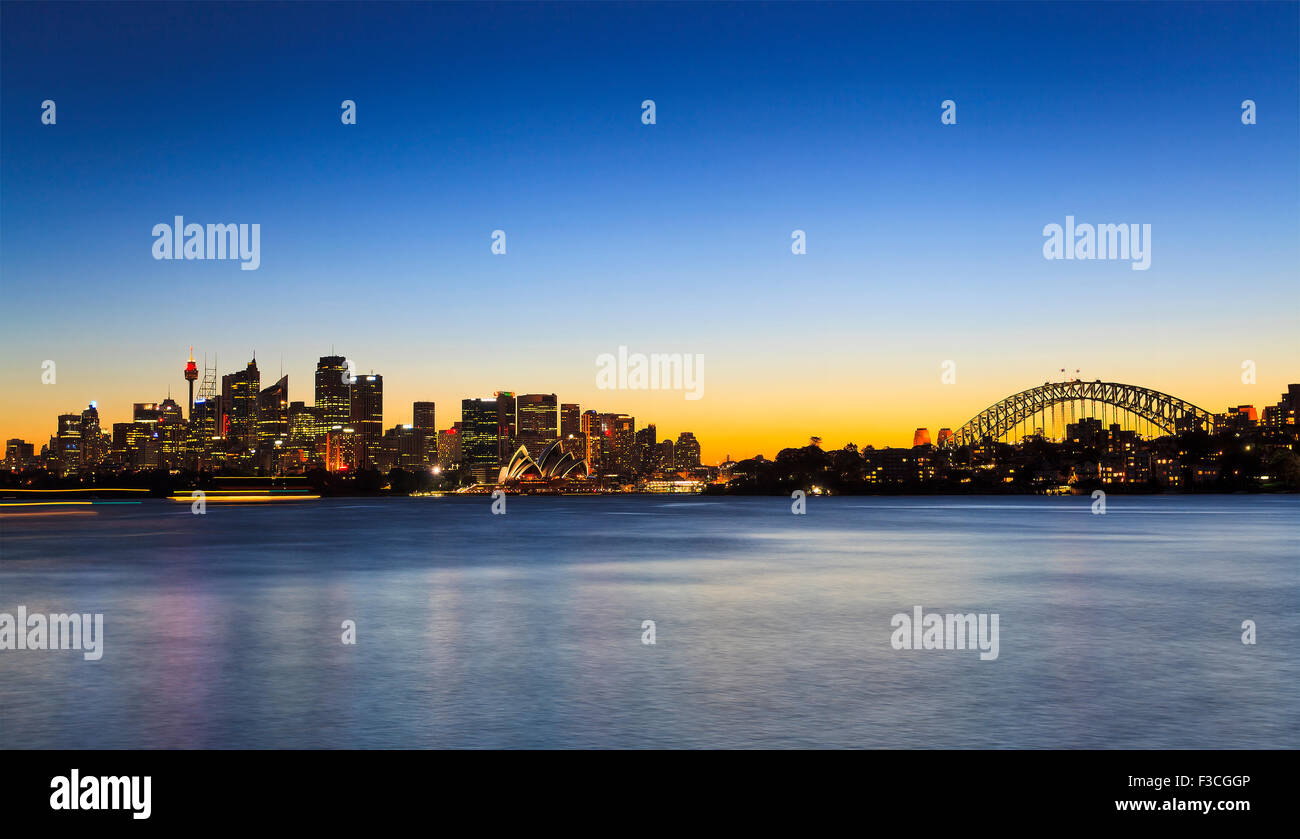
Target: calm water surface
[[524, 630]]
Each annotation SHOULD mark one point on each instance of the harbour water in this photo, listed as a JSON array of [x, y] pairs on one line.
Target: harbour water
[[772, 630]]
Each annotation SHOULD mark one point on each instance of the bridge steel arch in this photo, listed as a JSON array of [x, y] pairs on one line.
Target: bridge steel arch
[[1159, 409]]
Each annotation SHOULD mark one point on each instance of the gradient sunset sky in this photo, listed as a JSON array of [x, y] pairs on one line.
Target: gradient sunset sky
[[924, 240]]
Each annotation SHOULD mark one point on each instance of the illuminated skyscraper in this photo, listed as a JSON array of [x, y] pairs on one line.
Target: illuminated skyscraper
[[94, 446], [19, 454], [424, 416], [478, 443], [570, 420], [305, 428], [171, 434], [401, 449], [273, 414], [622, 444], [449, 448], [506, 426], [67, 444], [368, 415], [592, 434], [424, 420], [571, 436], [686, 452], [333, 394], [239, 400], [538, 421], [643, 461], [143, 441], [664, 460]]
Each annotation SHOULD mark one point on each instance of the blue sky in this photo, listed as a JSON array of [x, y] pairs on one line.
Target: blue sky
[[924, 240]]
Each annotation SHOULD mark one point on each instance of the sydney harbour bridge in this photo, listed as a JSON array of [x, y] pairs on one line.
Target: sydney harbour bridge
[[1054, 404]]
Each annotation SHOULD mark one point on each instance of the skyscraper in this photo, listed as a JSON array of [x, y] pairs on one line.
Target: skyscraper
[[368, 415], [622, 444], [273, 414], [426, 431], [239, 400], [570, 420], [94, 448], [686, 452], [333, 393], [538, 421], [423, 416], [449, 456], [171, 434], [305, 427], [664, 459], [574, 441], [478, 441], [644, 458], [592, 434], [506, 426], [67, 444]]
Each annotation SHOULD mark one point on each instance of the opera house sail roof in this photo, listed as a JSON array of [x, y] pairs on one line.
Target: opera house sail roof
[[553, 463]]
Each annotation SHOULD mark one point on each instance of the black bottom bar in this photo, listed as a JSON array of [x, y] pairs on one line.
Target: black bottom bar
[[341, 788]]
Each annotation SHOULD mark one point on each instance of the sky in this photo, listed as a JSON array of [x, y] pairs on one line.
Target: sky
[[924, 240]]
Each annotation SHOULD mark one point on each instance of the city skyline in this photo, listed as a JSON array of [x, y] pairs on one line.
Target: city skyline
[[657, 237], [258, 416], [711, 453]]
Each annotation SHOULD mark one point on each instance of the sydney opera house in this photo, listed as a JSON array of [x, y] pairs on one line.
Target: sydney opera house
[[554, 465]]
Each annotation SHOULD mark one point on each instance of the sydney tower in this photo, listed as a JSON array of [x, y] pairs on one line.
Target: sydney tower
[[191, 373]]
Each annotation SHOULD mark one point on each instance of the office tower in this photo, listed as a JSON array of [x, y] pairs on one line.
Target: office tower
[[506, 426], [570, 420], [94, 447], [401, 449], [67, 444], [592, 434], [664, 461], [205, 423], [538, 421], [368, 414], [686, 452], [423, 416], [19, 454], [573, 440], [273, 414], [143, 444], [342, 449], [333, 393], [304, 425], [239, 402], [622, 444], [479, 438], [449, 448], [170, 434], [426, 431], [643, 461]]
